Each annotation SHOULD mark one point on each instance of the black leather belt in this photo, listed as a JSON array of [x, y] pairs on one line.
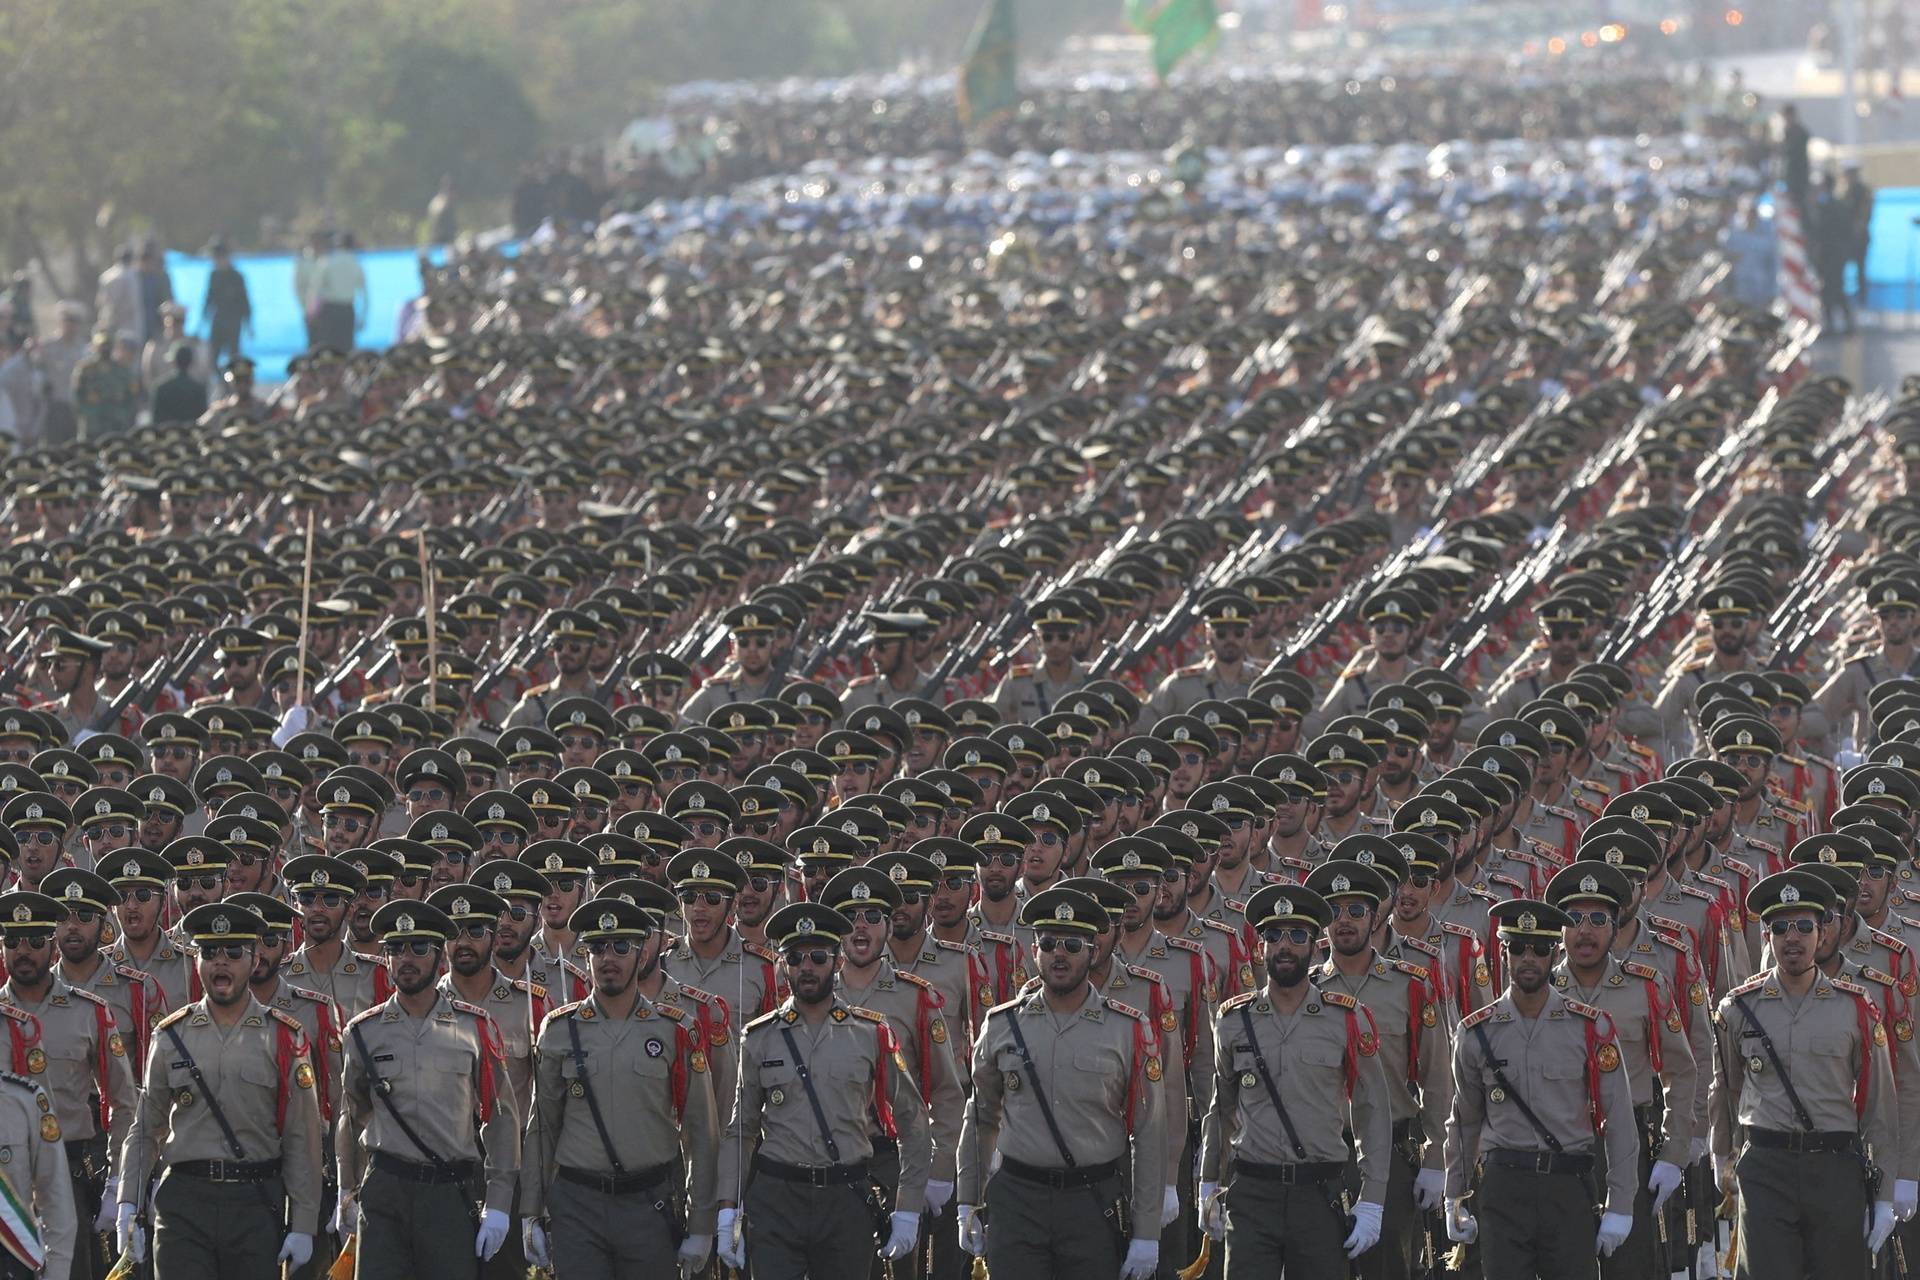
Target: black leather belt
[[814, 1175], [415, 1171], [1083, 1176], [1541, 1161], [228, 1170], [1306, 1173], [617, 1184], [1796, 1140], [1408, 1130]]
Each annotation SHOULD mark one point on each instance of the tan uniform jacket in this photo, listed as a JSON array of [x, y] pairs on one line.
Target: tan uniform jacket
[[82, 1064], [33, 1159], [1414, 1049], [916, 1014], [259, 1071], [1653, 1044], [652, 1080]]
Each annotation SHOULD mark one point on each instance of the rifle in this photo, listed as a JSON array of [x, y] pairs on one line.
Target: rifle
[[325, 686]]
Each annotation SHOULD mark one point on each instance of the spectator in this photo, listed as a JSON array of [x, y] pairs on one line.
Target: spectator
[[21, 389], [1750, 246], [156, 360], [106, 391], [227, 308], [1856, 197], [156, 289], [60, 355], [1795, 169], [116, 302], [340, 296], [1829, 243], [443, 221], [306, 279], [182, 397]]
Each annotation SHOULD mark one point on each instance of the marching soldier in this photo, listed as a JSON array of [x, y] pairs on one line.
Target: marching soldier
[[1539, 1092], [1405, 1004], [81, 1061], [229, 1113], [324, 888], [1029, 690], [141, 877], [748, 674], [811, 1073], [1067, 1093], [1646, 1018], [36, 1180], [1296, 1063], [425, 1096], [622, 1120], [1802, 1105], [1225, 675], [133, 997]]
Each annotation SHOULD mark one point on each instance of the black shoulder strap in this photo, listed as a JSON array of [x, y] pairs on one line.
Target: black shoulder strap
[[1039, 1094], [1500, 1078], [206, 1092], [1800, 1112], [593, 1103], [383, 1090], [1273, 1090], [813, 1098]]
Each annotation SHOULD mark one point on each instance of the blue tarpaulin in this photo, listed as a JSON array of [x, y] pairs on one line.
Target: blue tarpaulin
[[279, 328], [1893, 252]]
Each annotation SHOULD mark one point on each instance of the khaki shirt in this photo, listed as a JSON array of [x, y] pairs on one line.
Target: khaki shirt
[[1186, 1026], [321, 1023], [133, 996], [1324, 1061], [1101, 1068], [710, 1020], [355, 983], [854, 1065], [916, 1015], [651, 1078], [78, 1034], [1006, 951], [958, 972], [1653, 1043], [1824, 1040], [259, 1072], [1548, 1059], [728, 684], [1197, 683], [1414, 1051], [169, 965], [742, 975], [35, 1162], [1897, 1017], [446, 1072], [1027, 693], [517, 1008]]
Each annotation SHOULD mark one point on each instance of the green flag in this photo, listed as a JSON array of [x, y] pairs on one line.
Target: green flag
[[989, 75], [1177, 28]]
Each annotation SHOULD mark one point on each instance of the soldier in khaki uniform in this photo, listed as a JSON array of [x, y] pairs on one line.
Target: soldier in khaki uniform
[[1795, 1161], [710, 954], [747, 675], [1296, 1065], [869, 980], [37, 1169], [1843, 698], [141, 877], [1225, 675], [812, 1073], [1405, 1003], [323, 888], [425, 1096], [81, 1061], [1653, 1044], [622, 1119], [1029, 690], [1561, 1059], [134, 997], [1073, 1106], [241, 1197]]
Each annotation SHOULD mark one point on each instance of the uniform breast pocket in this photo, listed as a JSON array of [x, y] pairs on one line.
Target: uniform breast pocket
[[1562, 1069], [780, 1075], [1008, 1060], [258, 1070], [1242, 1059], [448, 1063], [655, 1057], [1319, 1055]]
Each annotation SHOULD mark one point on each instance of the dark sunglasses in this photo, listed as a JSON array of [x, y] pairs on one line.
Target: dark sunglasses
[[26, 941], [819, 957], [711, 897], [224, 950], [1781, 928], [412, 946], [1051, 944], [1598, 919], [1528, 946], [1297, 936], [619, 946], [328, 898]]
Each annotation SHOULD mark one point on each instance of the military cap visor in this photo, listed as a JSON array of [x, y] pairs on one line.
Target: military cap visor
[[1063, 910], [1529, 918], [216, 922], [1287, 904], [406, 920]]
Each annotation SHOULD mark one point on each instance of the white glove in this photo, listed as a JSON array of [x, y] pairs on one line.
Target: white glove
[[938, 1193], [1169, 1206], [295, 1249], [1614, 1230], [492, 1234], [104, 1220], [728, 1239], [900, 1240], [1461, 1227], [533, 1243], [292, 723], [1879, 1225], [694, 1252], [973, 1231], [346, 1217], [1663, 1181], [1696, 1150], [1143, 1259], [1366, 1229], [1906, 1198], [127, 1233], [1429, 1189], [1213, 1211]]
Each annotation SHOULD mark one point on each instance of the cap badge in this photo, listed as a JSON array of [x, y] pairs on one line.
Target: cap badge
[[1340, 884], [1527, 921], [404, 924], [1789, 893]]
